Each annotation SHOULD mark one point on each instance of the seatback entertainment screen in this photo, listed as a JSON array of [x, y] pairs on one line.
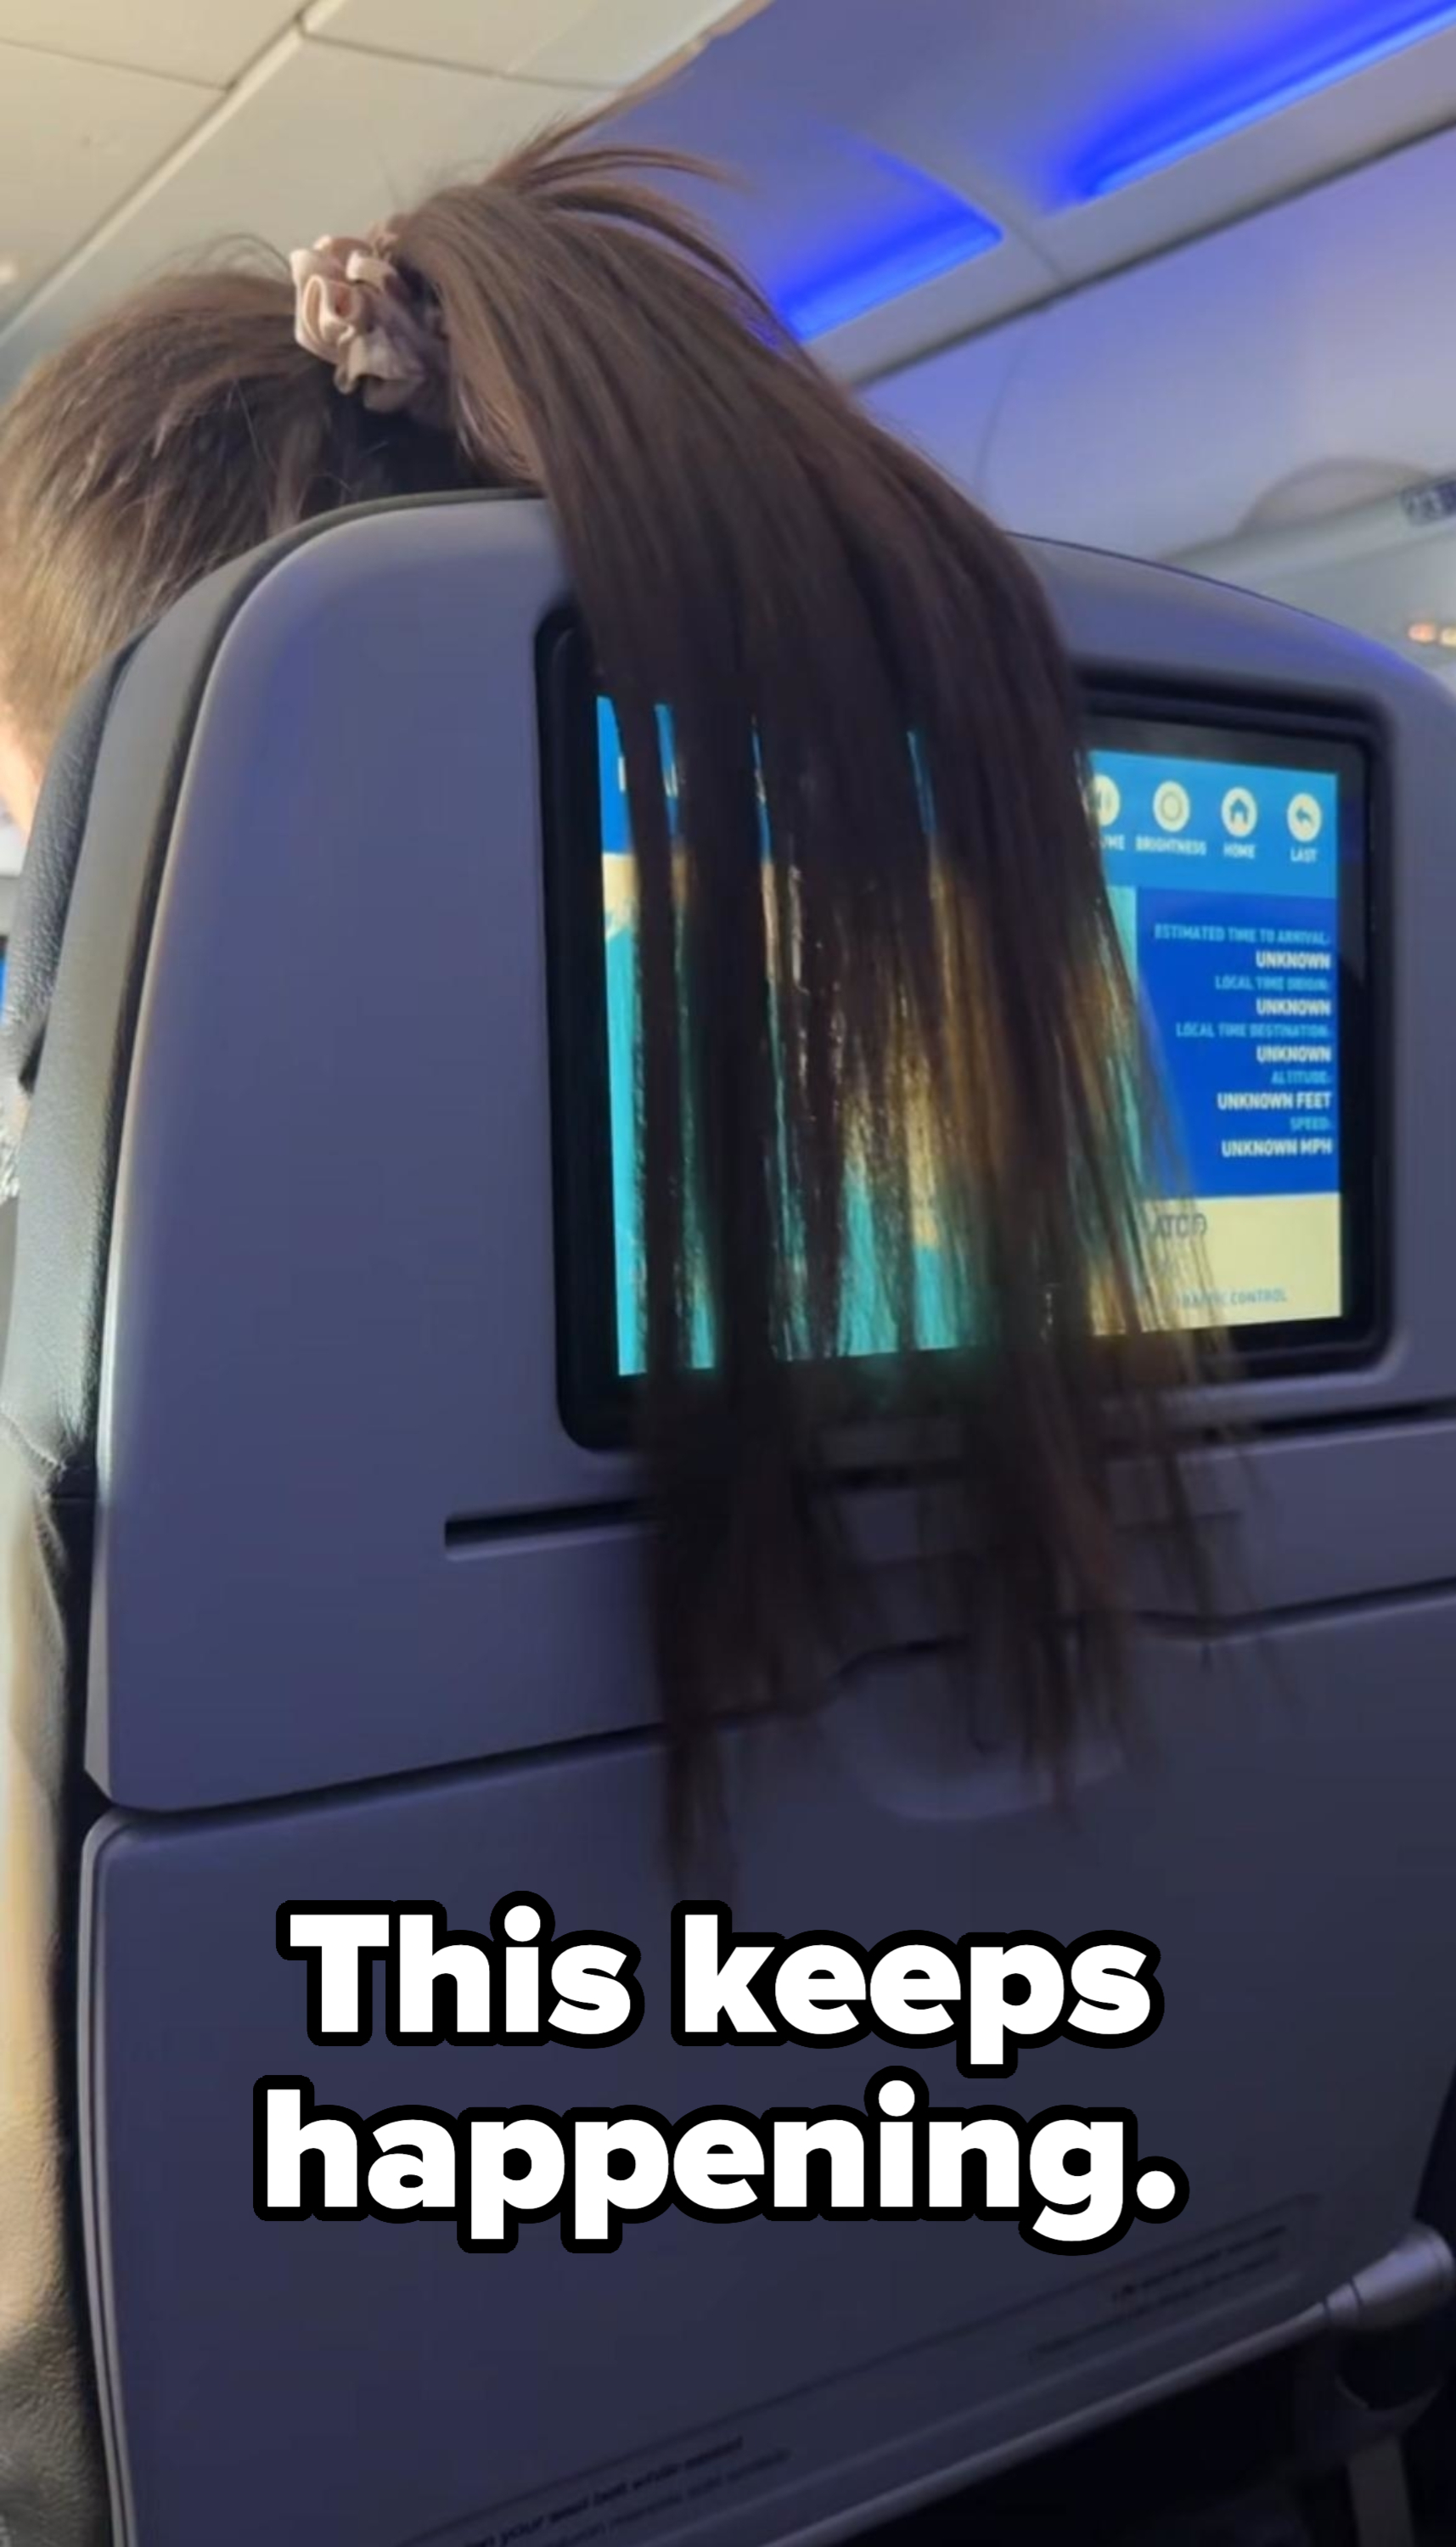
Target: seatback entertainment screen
[[1235, 857]]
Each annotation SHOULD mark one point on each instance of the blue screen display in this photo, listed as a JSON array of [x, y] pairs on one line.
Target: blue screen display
[[1225, 879]]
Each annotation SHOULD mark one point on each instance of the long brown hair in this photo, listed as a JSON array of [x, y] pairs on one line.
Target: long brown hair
[[922, 1023]]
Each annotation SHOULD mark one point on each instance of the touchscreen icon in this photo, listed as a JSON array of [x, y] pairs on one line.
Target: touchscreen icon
[[1240, 813], [1306, 818], [1106, 799], [1172, 807]]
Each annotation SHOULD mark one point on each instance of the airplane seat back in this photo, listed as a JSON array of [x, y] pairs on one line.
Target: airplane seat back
[[330, 1598]]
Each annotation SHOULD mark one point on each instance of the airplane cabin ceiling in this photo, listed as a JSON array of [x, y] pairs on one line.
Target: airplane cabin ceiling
[[1124, 264], [137, 131], [207, 42], [863, 131], [1155, 409]]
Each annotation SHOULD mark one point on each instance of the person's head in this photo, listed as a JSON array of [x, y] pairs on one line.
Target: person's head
[[924, 1018]]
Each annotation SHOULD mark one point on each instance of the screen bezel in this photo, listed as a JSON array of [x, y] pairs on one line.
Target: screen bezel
[[597, 1402]]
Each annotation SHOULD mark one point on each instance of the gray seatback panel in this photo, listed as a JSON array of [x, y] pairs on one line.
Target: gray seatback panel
[[1295, 1874], [411, 1171]]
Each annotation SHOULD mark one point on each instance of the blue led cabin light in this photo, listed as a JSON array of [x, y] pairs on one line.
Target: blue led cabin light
[[1280, 78], [940, 233]]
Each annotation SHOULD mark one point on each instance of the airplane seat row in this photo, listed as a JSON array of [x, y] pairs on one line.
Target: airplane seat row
[[323, 1541]]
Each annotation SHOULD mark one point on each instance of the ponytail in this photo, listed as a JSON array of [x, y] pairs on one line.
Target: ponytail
[[925, 996]]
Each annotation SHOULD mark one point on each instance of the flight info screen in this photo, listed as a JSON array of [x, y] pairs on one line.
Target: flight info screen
[[1224, 881]]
